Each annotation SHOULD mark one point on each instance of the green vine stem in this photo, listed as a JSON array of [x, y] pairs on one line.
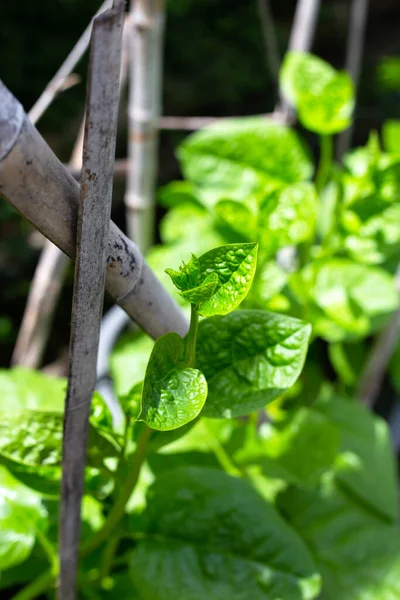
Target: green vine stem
[[37, 587], [118, 509], [190, 354], [46, 580], [325, 162]]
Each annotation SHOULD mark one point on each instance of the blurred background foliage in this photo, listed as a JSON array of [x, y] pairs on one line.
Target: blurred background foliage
[[214, 64]]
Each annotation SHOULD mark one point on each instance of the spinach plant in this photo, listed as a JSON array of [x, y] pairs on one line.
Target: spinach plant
[[242, 471]]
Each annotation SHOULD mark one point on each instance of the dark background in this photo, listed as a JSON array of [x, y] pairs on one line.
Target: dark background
[[214, 65]]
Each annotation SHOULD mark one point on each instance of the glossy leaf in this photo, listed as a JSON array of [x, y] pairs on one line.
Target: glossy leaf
[[34, 438], [249, 358], [21, 514], [242, 157], [211, 535], [357, 553], [235, 265], [219, 280], [323, 97], [173, 394]]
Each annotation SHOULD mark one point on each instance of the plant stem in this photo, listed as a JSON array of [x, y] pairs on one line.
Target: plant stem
[[190, 355], [48, 549], [106, 561], [118, 510], [37, 587], [219, 451], [325, 162]]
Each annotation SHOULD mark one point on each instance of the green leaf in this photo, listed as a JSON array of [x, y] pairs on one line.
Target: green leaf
[[131, 403], [173, 394], [235, 265], [21, 514], [238, 217], [200, 294], [249, 358], [288, 217], [34, 438], [323, 97], [344, 298], [305, 446], [367, 464], [357, 553], [242, 157], [211, 535], [391, 136], [177, 193], [219, 280], [25, 389]]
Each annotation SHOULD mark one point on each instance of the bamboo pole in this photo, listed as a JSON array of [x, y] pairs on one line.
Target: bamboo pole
[[56, 84], [272, 55], [90, 270], [44, 291], [301, 39], [147, 21], [354, 53], [37, 184]]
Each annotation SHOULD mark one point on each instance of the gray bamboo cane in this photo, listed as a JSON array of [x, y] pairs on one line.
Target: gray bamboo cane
[[39, 186], [354, 53], [147, 22], [90, 270], [301, 39], [272, 55], [57, 82]]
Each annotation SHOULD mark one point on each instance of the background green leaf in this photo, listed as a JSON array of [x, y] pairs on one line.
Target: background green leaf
[[21, 514], [242, 157], [323, 97]]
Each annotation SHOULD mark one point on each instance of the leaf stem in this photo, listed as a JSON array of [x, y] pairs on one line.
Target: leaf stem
[[325, 162], [118, 509], [221, 455], [106, 560], [190, 354], [37, 587]]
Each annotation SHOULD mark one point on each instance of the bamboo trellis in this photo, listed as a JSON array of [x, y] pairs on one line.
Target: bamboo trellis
[[46, 193]]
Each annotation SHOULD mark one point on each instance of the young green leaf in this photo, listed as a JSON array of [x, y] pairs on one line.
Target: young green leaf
[[391, 136], [323, 97], [21, 514], [211, 535], [243, 157], [249, 358], [235, 266], [218, 281], [173, 394]]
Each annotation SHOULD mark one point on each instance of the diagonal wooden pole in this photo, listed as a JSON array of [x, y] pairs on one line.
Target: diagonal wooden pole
[[90, 269], [354, 53]]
